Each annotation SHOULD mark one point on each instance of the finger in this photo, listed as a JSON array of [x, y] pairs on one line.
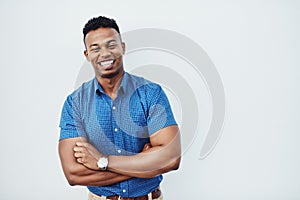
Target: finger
[[82, 144], [79, 149], [79, 160], [147, 146], [79, 155]]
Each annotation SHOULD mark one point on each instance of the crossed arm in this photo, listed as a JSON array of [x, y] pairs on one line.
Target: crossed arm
[[79, 160], [78, 174]]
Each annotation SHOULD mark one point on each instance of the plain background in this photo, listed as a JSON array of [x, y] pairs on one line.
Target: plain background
[[254, 46]]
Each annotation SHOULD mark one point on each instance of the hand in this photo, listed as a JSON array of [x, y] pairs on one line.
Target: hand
[[147, 146], [87, 155]]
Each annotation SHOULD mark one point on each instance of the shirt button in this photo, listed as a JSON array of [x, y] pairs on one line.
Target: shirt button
[[116, 129], [119, 151], [124, 190], [114, 107]]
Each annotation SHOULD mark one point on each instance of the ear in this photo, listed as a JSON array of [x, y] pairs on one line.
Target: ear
[[123, 47], [86, 55]]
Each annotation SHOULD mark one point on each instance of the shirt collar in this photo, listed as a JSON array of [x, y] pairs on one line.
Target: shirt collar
[[124, 83], [98, 89], [122, 88]]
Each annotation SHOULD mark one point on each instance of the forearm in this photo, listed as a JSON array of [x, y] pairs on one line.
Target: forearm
[[157, 160], [78, 174], [94, 178]]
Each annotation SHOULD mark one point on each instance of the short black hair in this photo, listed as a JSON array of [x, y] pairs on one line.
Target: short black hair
[[99, 22]]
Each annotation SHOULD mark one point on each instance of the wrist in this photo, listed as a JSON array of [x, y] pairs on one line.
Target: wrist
[[102, 163]]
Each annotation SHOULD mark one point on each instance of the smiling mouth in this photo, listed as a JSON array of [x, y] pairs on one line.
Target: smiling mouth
[[107, 64]]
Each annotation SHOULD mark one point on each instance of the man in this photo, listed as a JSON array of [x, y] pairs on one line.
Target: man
[[118, 134]]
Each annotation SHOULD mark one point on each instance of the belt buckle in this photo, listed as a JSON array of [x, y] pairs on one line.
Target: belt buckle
[[145, 197], [114, 197], [155, 194]]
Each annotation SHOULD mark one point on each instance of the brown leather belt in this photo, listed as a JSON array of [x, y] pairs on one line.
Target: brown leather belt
[[155, 194]]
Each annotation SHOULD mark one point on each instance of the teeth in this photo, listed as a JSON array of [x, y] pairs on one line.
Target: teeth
[[106, 63]]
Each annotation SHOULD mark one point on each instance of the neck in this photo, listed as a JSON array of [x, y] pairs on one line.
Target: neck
[[111, 85]]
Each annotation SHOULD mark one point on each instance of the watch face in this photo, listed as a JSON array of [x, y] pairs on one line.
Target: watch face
[[102, 163]]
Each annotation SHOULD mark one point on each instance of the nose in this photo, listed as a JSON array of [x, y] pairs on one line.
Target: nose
[[104, 52]]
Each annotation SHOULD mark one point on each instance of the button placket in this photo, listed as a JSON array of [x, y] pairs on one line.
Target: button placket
[[116, 130], [124, 188], [114, 110]]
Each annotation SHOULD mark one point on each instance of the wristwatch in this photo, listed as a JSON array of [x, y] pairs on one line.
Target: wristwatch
[[103, 163]]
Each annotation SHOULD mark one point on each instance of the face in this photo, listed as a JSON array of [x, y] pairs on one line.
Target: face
[[104, 50]]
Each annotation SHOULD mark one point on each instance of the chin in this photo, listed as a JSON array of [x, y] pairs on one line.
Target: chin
[[111, 74]]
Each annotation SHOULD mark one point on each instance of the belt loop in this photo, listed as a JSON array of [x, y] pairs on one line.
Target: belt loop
[[150, 195]]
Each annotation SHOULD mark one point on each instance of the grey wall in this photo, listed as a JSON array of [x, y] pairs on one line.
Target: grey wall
[[254, 46]]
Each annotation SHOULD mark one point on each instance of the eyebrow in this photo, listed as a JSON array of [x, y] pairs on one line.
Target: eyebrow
[[96, 45]]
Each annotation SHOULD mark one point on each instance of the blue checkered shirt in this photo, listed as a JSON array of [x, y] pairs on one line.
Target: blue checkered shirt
[[118, 127]]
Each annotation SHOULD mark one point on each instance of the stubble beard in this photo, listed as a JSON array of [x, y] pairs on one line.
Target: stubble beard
[[111, 75]]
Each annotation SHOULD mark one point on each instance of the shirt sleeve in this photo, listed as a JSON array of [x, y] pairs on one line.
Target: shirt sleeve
[[70, 122], [160, 114]]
